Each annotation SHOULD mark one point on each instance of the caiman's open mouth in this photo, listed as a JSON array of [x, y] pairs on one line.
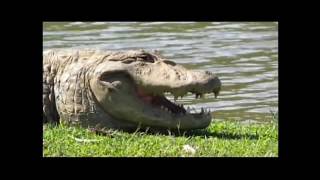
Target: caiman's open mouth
[[141, 100], [161, 102]]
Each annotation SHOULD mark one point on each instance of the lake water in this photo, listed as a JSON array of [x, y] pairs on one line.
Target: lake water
[[243, 54]]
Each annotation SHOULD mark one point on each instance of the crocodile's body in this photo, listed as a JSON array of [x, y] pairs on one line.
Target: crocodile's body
[[120, 90]]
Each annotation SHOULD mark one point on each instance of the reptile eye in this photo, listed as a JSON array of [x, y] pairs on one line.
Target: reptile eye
[[146, 58]]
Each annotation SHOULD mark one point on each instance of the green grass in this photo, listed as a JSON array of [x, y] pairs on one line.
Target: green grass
[[223, 138]]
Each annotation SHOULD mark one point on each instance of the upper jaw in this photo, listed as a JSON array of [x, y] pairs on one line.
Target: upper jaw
[[199, 88]]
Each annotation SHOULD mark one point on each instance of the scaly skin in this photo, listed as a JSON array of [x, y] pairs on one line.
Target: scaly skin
[[121, 90]]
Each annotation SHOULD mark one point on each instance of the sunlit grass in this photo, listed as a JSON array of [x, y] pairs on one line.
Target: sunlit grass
[[223, 138]]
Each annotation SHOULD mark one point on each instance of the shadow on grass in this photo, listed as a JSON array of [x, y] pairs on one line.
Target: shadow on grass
[[222, 135], [193, 133], [176, 133]]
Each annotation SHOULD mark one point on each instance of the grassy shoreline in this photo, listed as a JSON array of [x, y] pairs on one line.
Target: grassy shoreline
[[220, 139]]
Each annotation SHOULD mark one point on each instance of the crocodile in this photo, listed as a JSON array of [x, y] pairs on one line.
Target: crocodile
[[122, 90]]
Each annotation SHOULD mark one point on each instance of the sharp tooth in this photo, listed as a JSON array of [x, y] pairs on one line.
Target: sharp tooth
[[173, 93], [216, 93]]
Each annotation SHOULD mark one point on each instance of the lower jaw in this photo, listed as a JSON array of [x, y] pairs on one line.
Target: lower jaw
[[174, 121], [165, 122]]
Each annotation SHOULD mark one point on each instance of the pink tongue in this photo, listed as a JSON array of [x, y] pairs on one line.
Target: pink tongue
[[145, 97]]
